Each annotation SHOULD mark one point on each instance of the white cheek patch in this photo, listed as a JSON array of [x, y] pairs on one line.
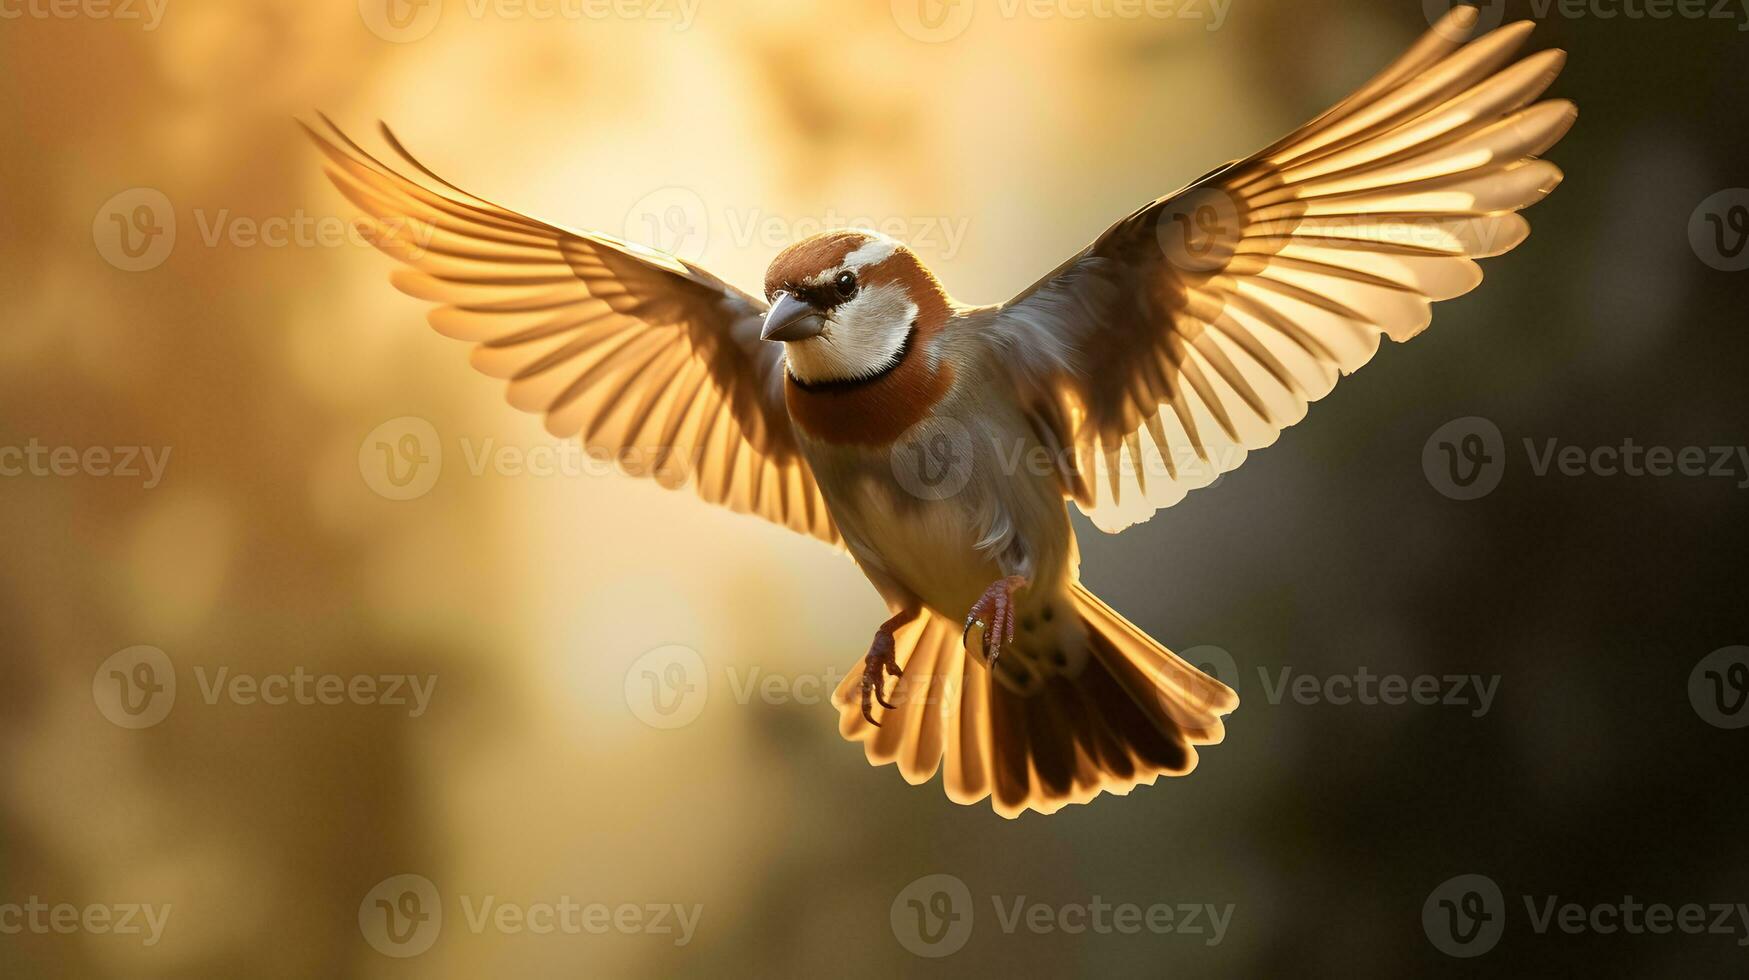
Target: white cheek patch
[[863, 337]]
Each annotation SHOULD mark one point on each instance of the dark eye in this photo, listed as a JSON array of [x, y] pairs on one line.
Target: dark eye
[[845, 284]]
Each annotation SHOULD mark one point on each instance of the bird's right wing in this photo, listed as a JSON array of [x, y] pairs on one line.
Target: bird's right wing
[[653, 362]]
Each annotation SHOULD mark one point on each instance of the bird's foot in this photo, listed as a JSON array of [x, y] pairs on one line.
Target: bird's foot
[[994, 614], [882, 659]]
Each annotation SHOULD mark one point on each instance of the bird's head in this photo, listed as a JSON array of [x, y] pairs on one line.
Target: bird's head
[[846, 305]]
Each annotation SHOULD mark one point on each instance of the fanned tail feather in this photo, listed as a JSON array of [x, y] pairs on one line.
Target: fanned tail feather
[[1135, 711]]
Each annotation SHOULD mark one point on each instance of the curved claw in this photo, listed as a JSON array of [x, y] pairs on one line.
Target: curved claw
[[994, 612], [867, 708], [881, 660], [984, 653]]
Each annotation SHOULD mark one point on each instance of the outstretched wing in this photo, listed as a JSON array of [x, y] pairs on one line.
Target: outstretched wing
[[1202, 325], [653, 362]]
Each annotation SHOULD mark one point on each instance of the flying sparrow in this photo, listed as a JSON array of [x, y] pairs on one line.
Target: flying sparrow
[[937, 442]]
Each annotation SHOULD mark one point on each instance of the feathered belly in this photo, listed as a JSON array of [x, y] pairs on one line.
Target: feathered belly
[[931, 547], [949, 508]]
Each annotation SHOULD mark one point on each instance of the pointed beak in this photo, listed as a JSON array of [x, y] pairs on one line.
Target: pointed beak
[[792, 319]]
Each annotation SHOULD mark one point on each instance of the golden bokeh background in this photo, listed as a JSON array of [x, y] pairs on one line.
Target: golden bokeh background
[[267, 365]]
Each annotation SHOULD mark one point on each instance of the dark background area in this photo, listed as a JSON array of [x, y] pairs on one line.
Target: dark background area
[[1589, 599]]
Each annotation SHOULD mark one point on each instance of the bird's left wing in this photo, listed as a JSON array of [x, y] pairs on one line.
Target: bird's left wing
[[653, 362], [1200, 326]]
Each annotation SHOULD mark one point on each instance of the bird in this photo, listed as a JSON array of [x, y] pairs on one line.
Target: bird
[[941, 444]]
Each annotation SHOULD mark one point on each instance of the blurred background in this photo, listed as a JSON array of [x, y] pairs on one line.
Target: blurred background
[[182, 292]]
